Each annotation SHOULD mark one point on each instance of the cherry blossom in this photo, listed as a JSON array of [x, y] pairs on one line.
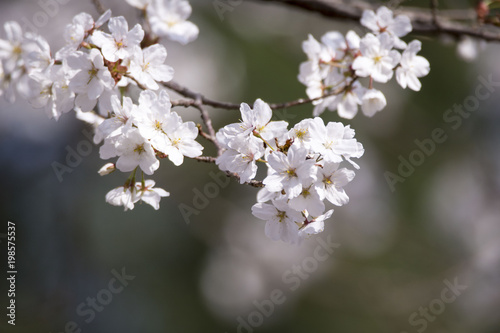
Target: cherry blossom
[[281, 220], [412, 67], [91, 79], [384, 21], [121, 43], [147, 66], [168, 18], [377, 58]]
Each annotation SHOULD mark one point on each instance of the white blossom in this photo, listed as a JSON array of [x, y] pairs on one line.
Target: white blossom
[[254, 122], [314, 225], [122, 116], [147, 66], [281, 220], [384, 21], [121, 43], [330, 183], [372, 102], [78, 30], [412, 67], [11, 49], [290, 171], [377, 58], [49, 90], [182, 141], [122, 196], [334, 142], [168, 18], [148, 194], [91, 79], [152, 118], [240, 157], [133, 151], [309, 199], [140, 4], [107, 169]]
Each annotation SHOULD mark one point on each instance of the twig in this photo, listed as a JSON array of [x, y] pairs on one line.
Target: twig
[[208, 123], [422, 21], [98, 6], [205, 159], [203, 134], [183, 91], [231, 106], [434, 12], [140, 85], [210, 159]]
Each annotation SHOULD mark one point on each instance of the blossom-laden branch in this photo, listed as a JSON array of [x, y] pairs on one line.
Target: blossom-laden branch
[[426, 22], [304, 174]]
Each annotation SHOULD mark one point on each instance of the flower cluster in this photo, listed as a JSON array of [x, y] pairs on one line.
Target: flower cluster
[[337, 63], [303, 168], [96, 68], [105, 61]]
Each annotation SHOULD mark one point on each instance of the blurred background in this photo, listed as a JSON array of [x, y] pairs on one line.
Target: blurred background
[[395, 248]]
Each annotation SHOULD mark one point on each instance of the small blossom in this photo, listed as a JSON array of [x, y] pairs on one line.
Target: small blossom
[[49, 90], [335, 142], [290, 171], [147, 66], [121, 117], [412, 67], [11, 49], [91, 79], [107, 169], [281, 220], [150, 195], [182, 141], [121, 43], [372, 102], [241, 159], [133, 151], [122, 196], [168, 18], [309, 199], [384, 21], [330, 183], [314, 225], [139, 4], [377, 57]]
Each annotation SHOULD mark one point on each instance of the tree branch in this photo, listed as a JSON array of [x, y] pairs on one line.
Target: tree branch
[[98, 6], [210, 159], [183, 91], [423, 21]]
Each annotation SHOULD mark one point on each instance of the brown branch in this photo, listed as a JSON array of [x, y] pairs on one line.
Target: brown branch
[[434, 13], [210, 159], [205, 159], [422, 20], [98, 6], [208, 123], [181, 90]]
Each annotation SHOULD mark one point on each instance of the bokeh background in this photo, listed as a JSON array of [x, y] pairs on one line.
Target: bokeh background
[[396, 248]]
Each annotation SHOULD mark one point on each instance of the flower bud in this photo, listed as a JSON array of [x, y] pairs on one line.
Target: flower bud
[[107, 169]]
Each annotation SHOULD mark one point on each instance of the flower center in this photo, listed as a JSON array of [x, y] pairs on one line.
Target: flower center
[[291, 173], [139, 149], [92, 73], [158, 125], [300, 134], [281, 215]]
